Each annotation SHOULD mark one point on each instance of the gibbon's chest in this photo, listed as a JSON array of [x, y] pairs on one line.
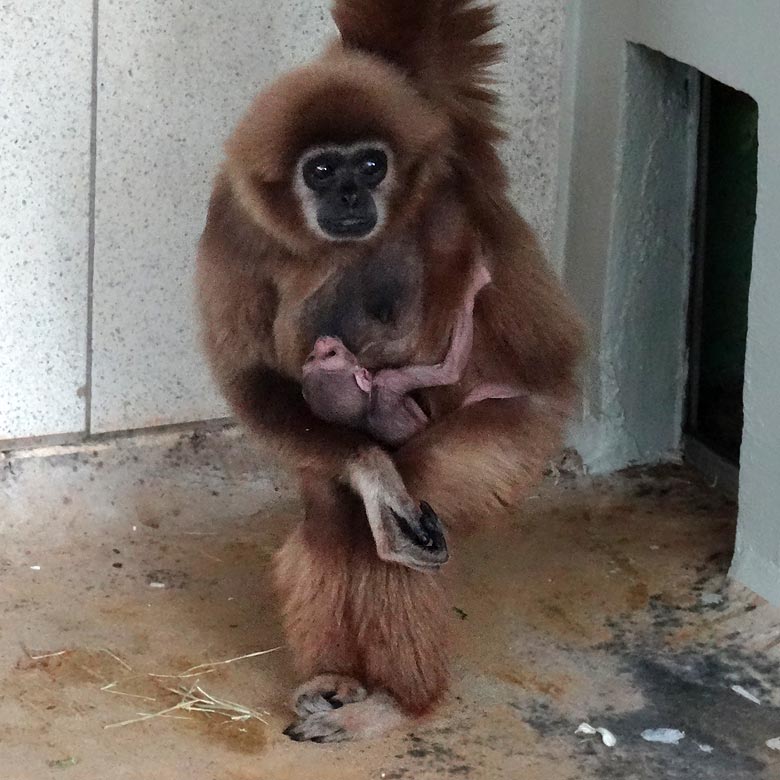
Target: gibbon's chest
[[372, 303]]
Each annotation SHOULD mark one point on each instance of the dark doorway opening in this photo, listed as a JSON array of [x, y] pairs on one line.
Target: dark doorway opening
[[725, 222]]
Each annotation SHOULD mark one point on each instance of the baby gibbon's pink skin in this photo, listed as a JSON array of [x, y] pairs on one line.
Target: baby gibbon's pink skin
[[335, 386], [338, 389]]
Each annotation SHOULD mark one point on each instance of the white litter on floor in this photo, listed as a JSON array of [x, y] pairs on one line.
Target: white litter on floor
[[738, 689], [773, 744], [664, 736], [607, 737], [706, 748]]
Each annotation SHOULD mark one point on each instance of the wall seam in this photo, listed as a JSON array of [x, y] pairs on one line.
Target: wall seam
[[570, 55], [91, 229]]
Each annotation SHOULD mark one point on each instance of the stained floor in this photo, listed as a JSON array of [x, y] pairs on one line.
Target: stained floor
[[604, 602]]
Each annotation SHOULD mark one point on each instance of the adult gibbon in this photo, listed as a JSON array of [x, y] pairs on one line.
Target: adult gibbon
[[356, 196]]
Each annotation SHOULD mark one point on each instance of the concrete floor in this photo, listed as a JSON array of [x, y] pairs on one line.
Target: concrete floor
[[597, 605]]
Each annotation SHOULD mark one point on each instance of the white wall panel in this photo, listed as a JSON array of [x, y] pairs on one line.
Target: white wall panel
[[45, 98], [530, 84]]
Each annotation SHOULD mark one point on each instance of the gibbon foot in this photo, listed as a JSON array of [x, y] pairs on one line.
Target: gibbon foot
[[326, 692], [371, 717], [403, 532], [414, 538]]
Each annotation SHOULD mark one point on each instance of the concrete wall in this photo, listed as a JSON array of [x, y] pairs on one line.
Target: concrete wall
[[735, 43], [45, 95], [634, 286], [111, 216]]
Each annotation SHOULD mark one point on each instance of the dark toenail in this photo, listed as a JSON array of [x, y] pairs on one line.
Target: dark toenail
[[330, 697]]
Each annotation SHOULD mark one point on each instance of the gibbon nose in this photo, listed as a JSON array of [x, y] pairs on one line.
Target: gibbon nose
[[349, 197], [326, 347]]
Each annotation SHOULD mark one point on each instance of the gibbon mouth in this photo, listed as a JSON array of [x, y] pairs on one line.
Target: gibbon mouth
[[349, 227]]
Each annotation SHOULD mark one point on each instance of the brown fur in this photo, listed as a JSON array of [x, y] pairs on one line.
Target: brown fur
[[422, 89], [349, 613]]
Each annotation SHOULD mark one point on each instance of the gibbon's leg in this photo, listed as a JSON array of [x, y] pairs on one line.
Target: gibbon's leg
[[355, 622], [402, 623], [479, 460], [311, 575]]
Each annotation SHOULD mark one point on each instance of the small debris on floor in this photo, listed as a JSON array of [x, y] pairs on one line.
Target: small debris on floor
[[711, 599], [607, 737], [191, 699], [195, 699], [62, 763], [41, 656], [663, 736], [773, 744], [209, 666], [706, 748], [745, 694]]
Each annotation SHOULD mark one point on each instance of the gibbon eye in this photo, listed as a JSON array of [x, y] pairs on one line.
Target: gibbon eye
[[322, 171], [318, 171], [372, 165]]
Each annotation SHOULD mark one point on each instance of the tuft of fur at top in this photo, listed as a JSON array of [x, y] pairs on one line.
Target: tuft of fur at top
[[445, 48]]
